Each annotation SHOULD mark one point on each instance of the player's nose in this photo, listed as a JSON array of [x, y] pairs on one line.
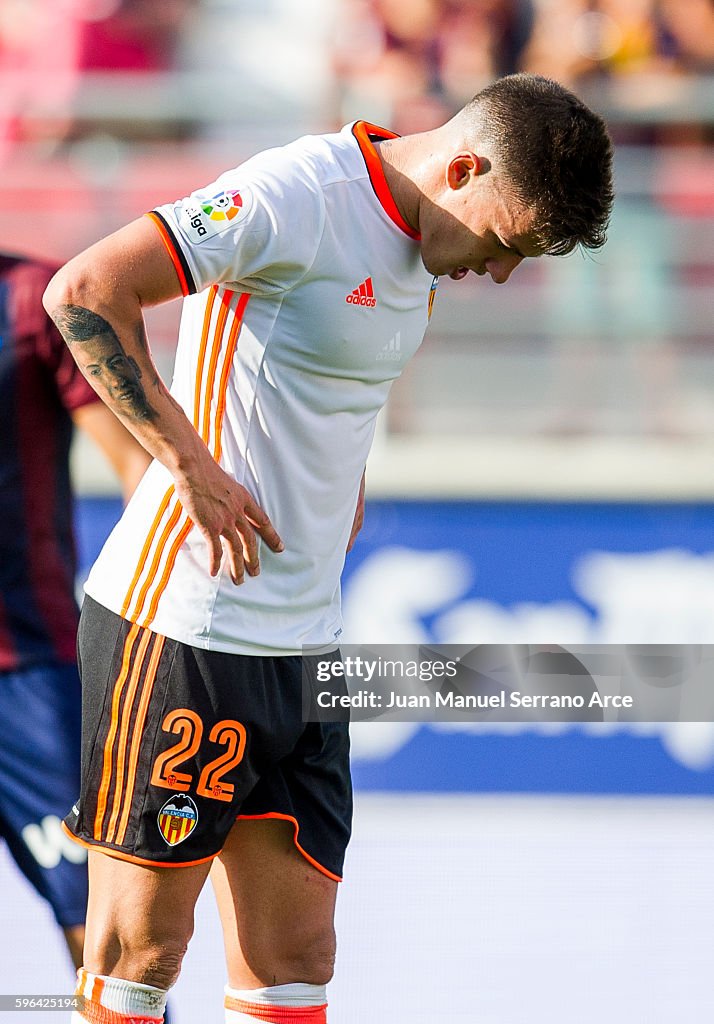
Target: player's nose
[[501, 269]]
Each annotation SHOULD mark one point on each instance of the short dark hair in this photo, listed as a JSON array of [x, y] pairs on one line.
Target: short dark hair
[[555, 154]]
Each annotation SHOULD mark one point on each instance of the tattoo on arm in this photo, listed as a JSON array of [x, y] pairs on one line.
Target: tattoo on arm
[[79, 324], [103, 360]]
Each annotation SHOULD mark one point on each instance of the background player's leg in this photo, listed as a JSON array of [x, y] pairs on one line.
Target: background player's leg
[[139, 923], [74, 937], [40, 724], [277, 913]]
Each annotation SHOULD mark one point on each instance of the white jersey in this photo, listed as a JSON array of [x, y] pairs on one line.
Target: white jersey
[[306, 296]]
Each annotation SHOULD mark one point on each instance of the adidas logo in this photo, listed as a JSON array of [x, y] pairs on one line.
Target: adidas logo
[[392, 351], [362, 296]]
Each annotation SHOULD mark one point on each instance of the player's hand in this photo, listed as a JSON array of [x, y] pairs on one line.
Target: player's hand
[[359, 516], [228, 517]]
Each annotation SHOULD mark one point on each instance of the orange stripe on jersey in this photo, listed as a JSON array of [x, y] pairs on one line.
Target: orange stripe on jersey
[[271, 1014], [171, 250], [145, 550], [163, 582], [362, 131], [125, 719], [226, 300], [156, 560], [147, 690], [167, 497], [202, 354], [204, 392], [227, 364], [109, 743]]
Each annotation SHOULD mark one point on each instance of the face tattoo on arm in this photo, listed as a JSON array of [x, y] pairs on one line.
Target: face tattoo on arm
[[103, 360]]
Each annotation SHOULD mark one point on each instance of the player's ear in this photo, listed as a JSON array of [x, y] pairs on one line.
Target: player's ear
[[461, 168]]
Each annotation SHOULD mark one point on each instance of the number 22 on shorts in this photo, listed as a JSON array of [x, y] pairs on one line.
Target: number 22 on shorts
[[227, 733]]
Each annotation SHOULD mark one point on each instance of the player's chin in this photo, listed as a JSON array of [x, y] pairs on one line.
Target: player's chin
[[441, 269], [433, 266]]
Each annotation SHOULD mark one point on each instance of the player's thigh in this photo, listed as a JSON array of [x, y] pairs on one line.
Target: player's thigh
[[276, 909], [140, 918]]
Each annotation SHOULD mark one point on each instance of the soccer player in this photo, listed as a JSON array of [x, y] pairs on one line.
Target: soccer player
[[42, 394], [299, 269]]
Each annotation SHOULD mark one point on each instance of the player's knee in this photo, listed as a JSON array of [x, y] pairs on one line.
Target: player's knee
[[161, 965], [295, 958], [148, 962], [311, 961], [318, 967]]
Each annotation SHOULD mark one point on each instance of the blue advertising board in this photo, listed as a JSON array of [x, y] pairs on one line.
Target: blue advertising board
[[523, 572]]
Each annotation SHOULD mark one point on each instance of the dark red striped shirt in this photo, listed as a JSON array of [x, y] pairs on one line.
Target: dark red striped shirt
[[40, 386]]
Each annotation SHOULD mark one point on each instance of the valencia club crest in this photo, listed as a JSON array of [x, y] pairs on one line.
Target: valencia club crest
[[177, 819]]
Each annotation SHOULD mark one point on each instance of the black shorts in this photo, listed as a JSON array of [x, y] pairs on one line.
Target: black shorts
[[179, 742]]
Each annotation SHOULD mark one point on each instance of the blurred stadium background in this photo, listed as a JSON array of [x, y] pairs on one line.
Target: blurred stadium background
[[544, 474]]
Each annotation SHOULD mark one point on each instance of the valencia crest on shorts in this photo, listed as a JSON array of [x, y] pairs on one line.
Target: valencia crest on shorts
[[177, 819]]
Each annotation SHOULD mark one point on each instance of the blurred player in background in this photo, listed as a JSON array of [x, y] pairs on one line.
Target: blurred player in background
[[42, 395], [301, 269]]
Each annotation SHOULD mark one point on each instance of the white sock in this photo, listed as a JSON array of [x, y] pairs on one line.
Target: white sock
[[123, 999], [273, 1004]]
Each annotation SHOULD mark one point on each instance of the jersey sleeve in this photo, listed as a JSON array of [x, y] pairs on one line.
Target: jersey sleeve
[[256, 229]]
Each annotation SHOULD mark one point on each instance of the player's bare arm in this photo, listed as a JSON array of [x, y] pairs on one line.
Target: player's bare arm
[[96, 300], [125, 455]]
